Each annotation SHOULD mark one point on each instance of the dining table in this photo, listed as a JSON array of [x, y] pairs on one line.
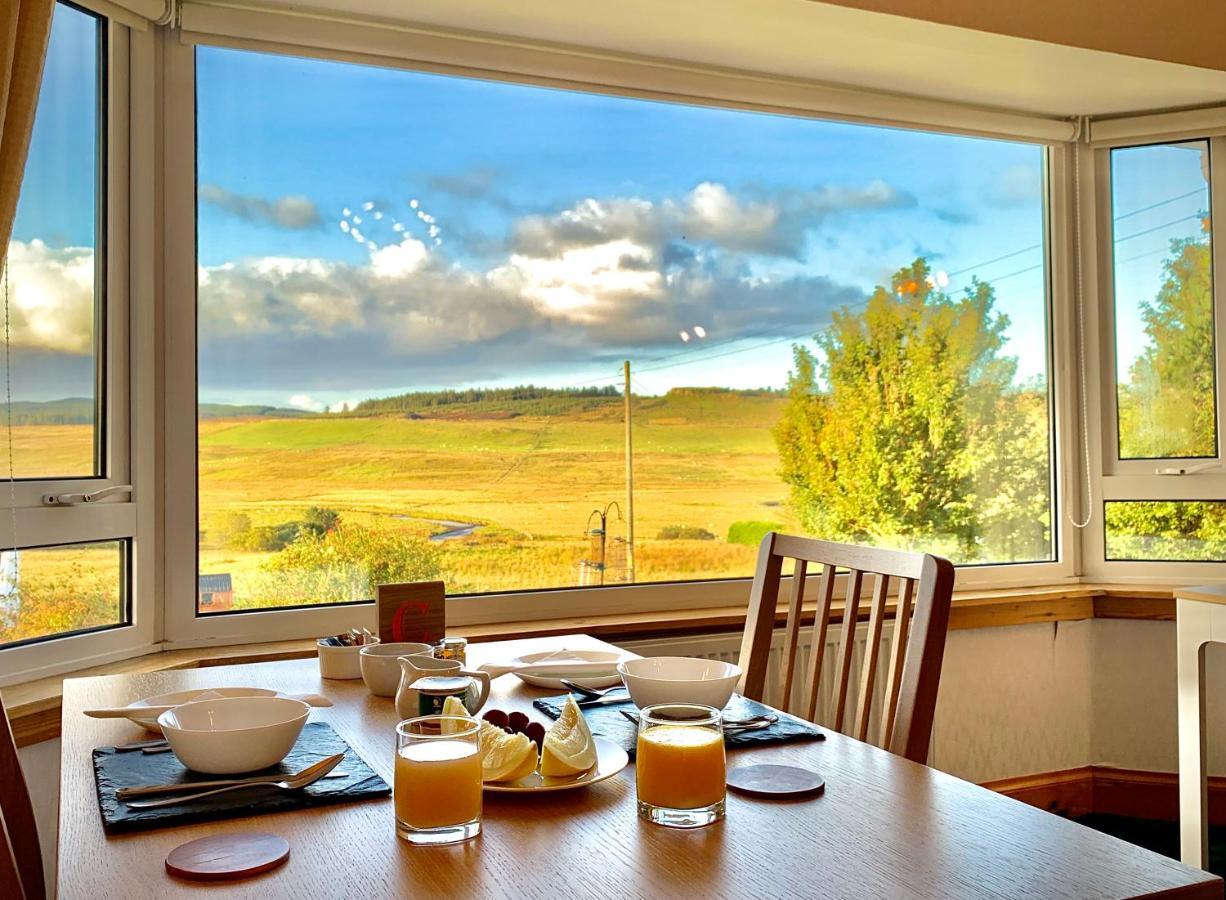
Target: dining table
[[884, 826]]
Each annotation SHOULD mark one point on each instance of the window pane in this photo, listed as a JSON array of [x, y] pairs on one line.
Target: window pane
[[1166, 530], [1164, 301], [50, 591], [417, 293], [54, 264]]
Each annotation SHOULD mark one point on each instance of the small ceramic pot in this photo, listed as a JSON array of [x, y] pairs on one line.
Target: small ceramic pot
[[380, 665], [340, 662]]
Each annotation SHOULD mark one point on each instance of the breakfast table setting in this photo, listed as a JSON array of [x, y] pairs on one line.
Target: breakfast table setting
[[557, 766]]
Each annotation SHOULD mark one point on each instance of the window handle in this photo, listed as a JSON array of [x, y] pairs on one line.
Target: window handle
[[1186, 470], [73, 499]]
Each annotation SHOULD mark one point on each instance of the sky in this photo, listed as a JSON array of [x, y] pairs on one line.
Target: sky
[[367, 231]]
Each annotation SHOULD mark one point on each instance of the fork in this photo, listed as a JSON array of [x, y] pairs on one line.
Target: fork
[[589, 693]]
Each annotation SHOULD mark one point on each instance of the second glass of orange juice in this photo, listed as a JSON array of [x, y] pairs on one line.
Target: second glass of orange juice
[[679, 765], [438, 780]]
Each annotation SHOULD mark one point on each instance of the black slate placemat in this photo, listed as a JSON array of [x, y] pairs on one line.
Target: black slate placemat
[[114, 770], [608, 722]]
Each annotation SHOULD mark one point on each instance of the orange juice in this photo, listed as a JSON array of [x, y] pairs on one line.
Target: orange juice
[[680, 766], [438, 783]]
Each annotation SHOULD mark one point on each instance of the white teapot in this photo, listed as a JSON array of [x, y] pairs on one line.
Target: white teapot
[[426, 682]]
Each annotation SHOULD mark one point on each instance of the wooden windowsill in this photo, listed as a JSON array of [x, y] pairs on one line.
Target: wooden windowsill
[[34, 706]]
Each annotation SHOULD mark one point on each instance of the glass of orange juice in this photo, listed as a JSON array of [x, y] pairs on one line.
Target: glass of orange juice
[[438, 780], [679, 765]]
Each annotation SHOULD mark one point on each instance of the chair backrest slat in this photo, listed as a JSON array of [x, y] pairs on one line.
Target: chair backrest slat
[[851, 613], [17, 817], [925, 587], [791, 637], [898, 653], [817, 645], [872, 643]]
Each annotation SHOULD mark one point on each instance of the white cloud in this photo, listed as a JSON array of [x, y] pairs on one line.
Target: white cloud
[[307, 402], [52, 296], [398, 260]]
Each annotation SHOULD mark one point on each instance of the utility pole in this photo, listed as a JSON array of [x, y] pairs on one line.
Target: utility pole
[[629, 485]]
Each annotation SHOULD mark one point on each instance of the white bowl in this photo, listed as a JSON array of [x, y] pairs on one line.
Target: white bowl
[[340, 662], [380, 665], [234, 734], [679, 679]]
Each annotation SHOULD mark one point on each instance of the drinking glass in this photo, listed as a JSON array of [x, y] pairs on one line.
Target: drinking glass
[[438, 780], [679, 766]]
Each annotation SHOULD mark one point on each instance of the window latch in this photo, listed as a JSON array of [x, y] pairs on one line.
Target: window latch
[[91, 497], [1186, 470]]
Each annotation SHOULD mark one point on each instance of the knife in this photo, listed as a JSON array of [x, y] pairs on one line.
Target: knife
[[181, 787], [603, 701]]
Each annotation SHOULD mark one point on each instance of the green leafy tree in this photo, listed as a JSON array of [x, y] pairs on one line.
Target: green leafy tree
[[1167, 407], [908, 427], [346, 563]]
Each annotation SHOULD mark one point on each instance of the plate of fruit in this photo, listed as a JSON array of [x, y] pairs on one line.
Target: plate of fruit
[[522, 756]]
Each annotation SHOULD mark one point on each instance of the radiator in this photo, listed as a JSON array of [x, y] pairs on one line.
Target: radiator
[[727, 647]]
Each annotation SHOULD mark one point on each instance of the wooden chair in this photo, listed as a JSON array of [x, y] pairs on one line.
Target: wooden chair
[[21, 860], [914, 669]]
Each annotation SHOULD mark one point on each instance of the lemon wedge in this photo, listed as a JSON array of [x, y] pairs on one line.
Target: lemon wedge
[[569, 748], [505, 757]]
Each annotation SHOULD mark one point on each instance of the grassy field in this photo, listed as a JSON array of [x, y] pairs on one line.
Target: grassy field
[[702, 459]]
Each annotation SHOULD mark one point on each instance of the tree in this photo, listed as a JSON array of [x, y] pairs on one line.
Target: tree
[[346, 563], [1167, 408], [908, 427]]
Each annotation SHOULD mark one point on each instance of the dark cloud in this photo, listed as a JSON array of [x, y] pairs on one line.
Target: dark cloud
[[955, 216], [478, 183], [294, 213]]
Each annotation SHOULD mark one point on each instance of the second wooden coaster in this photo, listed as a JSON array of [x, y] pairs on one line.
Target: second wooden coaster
[[775, 781], [223, 857]]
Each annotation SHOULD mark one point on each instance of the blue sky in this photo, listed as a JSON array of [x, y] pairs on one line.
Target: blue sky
[[535, 235]]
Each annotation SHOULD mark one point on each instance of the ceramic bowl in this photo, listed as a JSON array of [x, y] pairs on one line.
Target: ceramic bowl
[[380, 664], [340, 662], [679, 679], [234, 734]]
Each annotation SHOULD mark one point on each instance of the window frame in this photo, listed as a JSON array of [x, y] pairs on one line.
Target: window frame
[[185, 627], [125, 323], [1119, 479]]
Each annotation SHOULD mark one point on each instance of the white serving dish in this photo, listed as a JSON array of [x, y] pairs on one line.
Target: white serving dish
[[679, 679], [380, 665], [234, 734], [610, 759], [340, 662], [592, 668]]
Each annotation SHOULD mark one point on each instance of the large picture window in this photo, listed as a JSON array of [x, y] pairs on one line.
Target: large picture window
[[418, 295]]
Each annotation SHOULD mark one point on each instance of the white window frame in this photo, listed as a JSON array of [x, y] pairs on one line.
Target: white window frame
[[1113, 478], [128, 452], [419, 50]]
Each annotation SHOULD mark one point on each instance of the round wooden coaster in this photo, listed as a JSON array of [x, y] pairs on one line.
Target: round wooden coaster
[[223, 857], [775, 781]]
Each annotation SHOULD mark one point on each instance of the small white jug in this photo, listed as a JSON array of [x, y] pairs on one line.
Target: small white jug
[[412, 668]]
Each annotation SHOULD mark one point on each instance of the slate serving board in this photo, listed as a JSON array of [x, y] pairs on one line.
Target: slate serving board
[[113, 770], [608, 722]]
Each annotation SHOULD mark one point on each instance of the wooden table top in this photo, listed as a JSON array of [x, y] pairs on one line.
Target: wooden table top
[[1206, 593], [885, 826]]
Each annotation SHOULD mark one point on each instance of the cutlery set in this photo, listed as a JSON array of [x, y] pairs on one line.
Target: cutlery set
[[193, 790]]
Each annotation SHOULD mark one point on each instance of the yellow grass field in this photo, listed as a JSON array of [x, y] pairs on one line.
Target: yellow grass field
[[702, 459]]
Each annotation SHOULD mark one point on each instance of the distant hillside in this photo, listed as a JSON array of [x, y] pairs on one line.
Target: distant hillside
[[228, 411], [69, 411], [528, 400]]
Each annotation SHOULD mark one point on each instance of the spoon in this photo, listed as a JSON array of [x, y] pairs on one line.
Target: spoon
[[294, 782], [592, 693], [752, 723]]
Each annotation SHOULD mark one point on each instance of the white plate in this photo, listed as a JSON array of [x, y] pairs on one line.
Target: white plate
[[610, 759], [150, 723], [559, 657]]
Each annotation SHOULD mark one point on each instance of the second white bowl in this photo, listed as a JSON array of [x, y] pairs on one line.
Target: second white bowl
[[234, 734], [679, 679]]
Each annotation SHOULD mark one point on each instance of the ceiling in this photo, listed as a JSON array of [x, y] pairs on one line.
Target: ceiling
[[830, 44]]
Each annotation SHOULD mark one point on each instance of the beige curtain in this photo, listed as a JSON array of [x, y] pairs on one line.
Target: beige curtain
[[24, 28]]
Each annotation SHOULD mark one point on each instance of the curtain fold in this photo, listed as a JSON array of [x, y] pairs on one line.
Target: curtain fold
[[25, 26]]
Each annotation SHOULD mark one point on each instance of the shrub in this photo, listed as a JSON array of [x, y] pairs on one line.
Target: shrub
[[684, 533], [750, 532]]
